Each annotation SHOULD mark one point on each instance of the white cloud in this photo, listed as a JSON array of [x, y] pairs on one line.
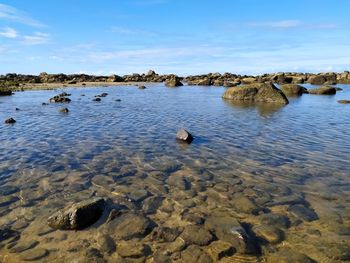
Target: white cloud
[[132, 31], [288, 24], [10, 13], [8, 32], [37, 39]]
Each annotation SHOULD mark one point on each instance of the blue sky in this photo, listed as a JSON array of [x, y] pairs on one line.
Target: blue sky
[[174, 36]]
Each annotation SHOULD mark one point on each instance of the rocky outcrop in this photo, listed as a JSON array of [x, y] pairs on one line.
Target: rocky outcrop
[[78, 216], [173, 82], [324, 90], [293, 89], [60, 98], [260, 92]]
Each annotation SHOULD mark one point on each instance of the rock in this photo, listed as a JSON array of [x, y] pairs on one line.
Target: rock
[[289, 256], [142, 87], [71, 82], [106, 244], [10, 121], [102, 95], [64, 94], [115, 78], [34, 254], [200, 82], [178, 181], [270, 234], [8, 190], [303, 212], [228, 229], [324, 90], [64, 110], [293, 89], [44, 104], [130, 225], [195, 254], [176, 246], [138, 195], [230, 84], [151, 204], [96, 99], [173, 82], [78, 216], [220, 249], [165, 234], [133, 250], [7, 200], [24, 246], [161, 257], [259, 92], [344, 101], [317, 80], [196, 235], [5, 92], [338, 252], [59, 99], [244, 204], [275, 220], [17, 109], [184, 136]]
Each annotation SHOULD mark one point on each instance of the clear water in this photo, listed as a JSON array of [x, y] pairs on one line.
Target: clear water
[[303, 147]]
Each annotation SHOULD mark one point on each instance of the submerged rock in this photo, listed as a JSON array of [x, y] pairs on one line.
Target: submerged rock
[[289, 256], [185, 136], [34, 254], [10, 121], [270, 234], [78, 216], [195, 253], [303, 212], [142, 87], [293, 89], [97, 99], [220, 249], [324, 90], [196, 235], [64, 110], [344, 101], [258, 92]]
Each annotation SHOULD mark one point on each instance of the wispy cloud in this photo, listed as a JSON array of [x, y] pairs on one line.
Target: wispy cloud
[[37, 39], [288, 24], [8, 32], [10, 13], [132, 31]]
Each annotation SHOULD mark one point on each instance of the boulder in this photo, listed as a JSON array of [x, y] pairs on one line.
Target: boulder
[[142, 87], [196, 235], [184, 136], [78, 216], [10, 121], [324, 90], [259, 92], [173, 82], [317, 80], [293, 89]]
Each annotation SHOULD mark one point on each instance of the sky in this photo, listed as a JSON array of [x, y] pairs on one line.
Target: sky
[[174, 36]]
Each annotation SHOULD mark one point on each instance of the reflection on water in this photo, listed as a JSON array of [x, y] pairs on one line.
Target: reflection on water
[[264, 109], [267, 167]]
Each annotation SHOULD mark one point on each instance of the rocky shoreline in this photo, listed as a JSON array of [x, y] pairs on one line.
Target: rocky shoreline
[[51, 81]]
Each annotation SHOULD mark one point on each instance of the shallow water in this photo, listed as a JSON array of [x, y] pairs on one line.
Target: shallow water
[[268, 154]]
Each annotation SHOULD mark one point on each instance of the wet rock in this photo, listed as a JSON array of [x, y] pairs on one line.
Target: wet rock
[[173, 82], [7, 200], [244, 204], [220, 249], [344, 101], [162, 257], [96, 99], [102, 95], [184, 136], [78, 216], [151, 204], [138, 195], [20, 224], [5, 92], [270, 234], [165, 234], [34, 254], [196, 235], [303, 212], [195, 254], [178, 245], [106, 244], [179, 182], [293, 89], [280, 221], [44, 104], [24, 246], [142, 87], [104, 182], [8, 190], [192, 217], [64, 94], [289, 256], [338, 252], [10, 121], [228, 229], [59, 99], [130, 225], [64, 110], [93, 255], [8, 234], [133, 250], [259, 92], [317, 80], [324, 90]]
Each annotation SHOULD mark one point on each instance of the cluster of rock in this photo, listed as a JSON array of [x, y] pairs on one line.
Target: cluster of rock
[[63, 97]]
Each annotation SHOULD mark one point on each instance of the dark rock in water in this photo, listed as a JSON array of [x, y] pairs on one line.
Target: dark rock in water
[[106, 244], [165, 234], [151, 205], [220, 249], [60, 98], [64, 94], [142, 87], [338, 89], [178, 182], [7, 200], [173, 82], [130, 225], [289, 256], [10, 121], [196, 235], [324, 90], [64, 110], [257, 92], [24, 246], [275, 220], [344, 101], [44, 104], [78, 216], [5, 92], [7, 233], [34, 254], [17, 109], [228, 229], [102, 95], [118, 100], [303, 212], [244, 204], [8, 190], [293, 89], [96, 99], [185, 136], [270, 234], [194, 253], [133, 250]]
